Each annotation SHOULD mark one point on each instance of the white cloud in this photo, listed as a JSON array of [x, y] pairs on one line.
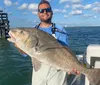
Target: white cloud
[[23, 6], [63, 11], [34, 12], [56, 10], [88, 6], [49, 0], [96, 3], [24, 13], [87, 15], [95, 17], [7, 2], [16, 3], [59, 10], [67, 6], [96, 9], [75, 1], [75, 6], [62, 1], [76, 12], [33, 6], [66, 16], [30, 7]]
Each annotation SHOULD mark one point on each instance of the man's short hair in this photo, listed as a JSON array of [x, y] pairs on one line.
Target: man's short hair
[[44, 2]]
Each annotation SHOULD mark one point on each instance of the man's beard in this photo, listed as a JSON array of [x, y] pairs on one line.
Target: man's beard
[[46, 21]]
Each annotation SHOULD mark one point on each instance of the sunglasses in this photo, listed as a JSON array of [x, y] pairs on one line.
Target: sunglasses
[[42, 10]]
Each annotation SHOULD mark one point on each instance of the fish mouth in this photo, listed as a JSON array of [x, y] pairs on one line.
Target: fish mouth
[[11, 38]]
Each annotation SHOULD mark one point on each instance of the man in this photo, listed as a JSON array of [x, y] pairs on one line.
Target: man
[[46, 74]]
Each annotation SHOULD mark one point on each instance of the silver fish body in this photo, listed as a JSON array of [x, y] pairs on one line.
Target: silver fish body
[[44, 48]]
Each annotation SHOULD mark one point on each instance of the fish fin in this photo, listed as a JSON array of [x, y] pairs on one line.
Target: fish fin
[[36, 64], [94, 76]]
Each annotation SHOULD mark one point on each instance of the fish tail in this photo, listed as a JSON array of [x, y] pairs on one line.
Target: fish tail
[[94, 76]]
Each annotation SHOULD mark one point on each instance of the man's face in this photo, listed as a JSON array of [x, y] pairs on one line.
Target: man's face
[[45, 14]]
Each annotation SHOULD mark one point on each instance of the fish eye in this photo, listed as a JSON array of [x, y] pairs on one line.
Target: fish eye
[[21, 32]]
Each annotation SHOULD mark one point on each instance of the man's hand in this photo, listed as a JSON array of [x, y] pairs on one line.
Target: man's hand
[[74, 71]]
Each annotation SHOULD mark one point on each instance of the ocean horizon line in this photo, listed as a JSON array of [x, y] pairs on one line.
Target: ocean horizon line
[[62, 26]]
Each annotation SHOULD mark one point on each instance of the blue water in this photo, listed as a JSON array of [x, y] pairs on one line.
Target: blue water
[[14, 68], [17, 70], [81, 37]]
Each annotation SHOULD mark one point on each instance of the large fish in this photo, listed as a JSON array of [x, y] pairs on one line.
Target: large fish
[[44, 48]]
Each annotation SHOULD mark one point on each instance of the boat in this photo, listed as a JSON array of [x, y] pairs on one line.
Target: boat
[[91, 59]]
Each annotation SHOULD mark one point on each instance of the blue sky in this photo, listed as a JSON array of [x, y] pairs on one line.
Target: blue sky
[[23, 13]]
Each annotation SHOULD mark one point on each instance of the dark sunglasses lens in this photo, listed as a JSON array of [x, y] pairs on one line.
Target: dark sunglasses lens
[[42, 10], [48, 10]]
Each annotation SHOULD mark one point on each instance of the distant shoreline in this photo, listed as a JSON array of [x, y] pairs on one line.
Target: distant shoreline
[[80, 26]]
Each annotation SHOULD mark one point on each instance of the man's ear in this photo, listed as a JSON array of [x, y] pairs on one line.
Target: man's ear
[[52, 12]]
